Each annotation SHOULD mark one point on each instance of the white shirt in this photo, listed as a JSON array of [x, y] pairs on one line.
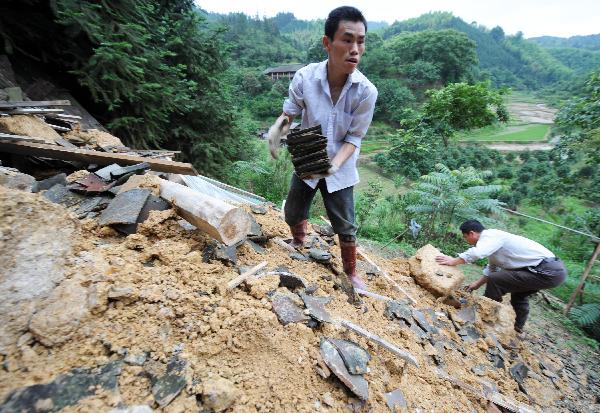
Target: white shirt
[[506, 250], [346, 121]]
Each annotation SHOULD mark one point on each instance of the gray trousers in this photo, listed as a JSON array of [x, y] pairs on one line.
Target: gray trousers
[[523, 282], [339, 206]]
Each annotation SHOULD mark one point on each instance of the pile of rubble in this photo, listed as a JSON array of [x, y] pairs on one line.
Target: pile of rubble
[[152, 313]]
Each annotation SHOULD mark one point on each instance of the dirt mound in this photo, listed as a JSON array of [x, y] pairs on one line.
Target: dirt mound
[[95, 137], [158, 320], [28, 125]]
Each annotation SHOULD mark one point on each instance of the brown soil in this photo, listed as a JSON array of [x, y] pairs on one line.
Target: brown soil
[[177, 301], [28, 125], [95, 137]]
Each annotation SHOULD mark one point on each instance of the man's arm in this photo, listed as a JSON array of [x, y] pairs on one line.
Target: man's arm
[[476, 284], [362, 116], [446, 260]]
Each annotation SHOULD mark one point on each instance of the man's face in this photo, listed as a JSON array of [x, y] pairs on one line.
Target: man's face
[[471, 237], [347, 47]]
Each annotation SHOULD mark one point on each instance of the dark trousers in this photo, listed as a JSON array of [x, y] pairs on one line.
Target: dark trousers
[[339, 206], [523, 282]]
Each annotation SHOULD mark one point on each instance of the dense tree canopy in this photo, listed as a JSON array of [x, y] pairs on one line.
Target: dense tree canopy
[[448, 51]]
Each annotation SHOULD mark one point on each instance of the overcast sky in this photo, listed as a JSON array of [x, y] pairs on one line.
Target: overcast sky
[[561, 18]]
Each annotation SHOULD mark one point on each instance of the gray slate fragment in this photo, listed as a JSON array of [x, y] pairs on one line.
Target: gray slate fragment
[[131, 169], [316, 307], [355, 357], [479, 369], [421, 320], [60, 194], [398, 309], [257, 248], [469, 334], [291, 281], [125, 208], [298, 256], [259, 209], [165, 388], [93, 204], [65, 390], [221, 252], [326, 230], [467, 314], [104, 173], [319, 255], [287, 311], [255, 228], [519, 373], [396, 401], [355, 382], [153, 203], [60, 179], [496, 358]]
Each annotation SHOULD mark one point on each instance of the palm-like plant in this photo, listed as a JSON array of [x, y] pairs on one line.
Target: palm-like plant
[[445, 196]]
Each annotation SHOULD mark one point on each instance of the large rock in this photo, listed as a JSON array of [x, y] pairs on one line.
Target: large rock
[[440, 280], [36, 240]]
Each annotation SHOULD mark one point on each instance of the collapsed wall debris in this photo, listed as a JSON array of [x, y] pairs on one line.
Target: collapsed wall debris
[[156, 304]]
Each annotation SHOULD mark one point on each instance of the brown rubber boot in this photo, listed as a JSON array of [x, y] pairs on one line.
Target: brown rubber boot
[[298, 233], [348, 249]]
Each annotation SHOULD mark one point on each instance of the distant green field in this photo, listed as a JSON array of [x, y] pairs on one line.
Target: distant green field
[[370, 146], [370, 172], [515, 133]]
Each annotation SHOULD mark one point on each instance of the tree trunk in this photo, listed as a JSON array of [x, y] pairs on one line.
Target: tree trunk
[[222, 221]]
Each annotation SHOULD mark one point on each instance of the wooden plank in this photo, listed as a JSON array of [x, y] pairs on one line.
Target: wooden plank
[[33, 111], [34, 103], [93, 157], [405, 355], [58, 128], [21, 138], [582, 280], [244, 276]]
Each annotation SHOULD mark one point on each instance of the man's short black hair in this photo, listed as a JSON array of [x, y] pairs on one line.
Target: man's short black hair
[[471, 225], [347, 13]]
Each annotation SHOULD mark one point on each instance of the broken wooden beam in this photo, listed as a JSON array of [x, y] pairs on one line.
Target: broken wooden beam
[[222, 221], [245, 275], [405, 355], [386, 276], [34, 103], [31, 111], [93, 157], [373, 295], [21, 138]]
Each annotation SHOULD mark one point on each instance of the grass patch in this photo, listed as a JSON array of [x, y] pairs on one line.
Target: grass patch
[[371, 172], [373, 146], [515, 133]]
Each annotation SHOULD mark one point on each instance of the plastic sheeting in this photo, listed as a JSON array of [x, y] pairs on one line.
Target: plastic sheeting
[[219, 190]]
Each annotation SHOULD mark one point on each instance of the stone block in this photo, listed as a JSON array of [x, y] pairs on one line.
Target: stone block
[[440, 280]]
